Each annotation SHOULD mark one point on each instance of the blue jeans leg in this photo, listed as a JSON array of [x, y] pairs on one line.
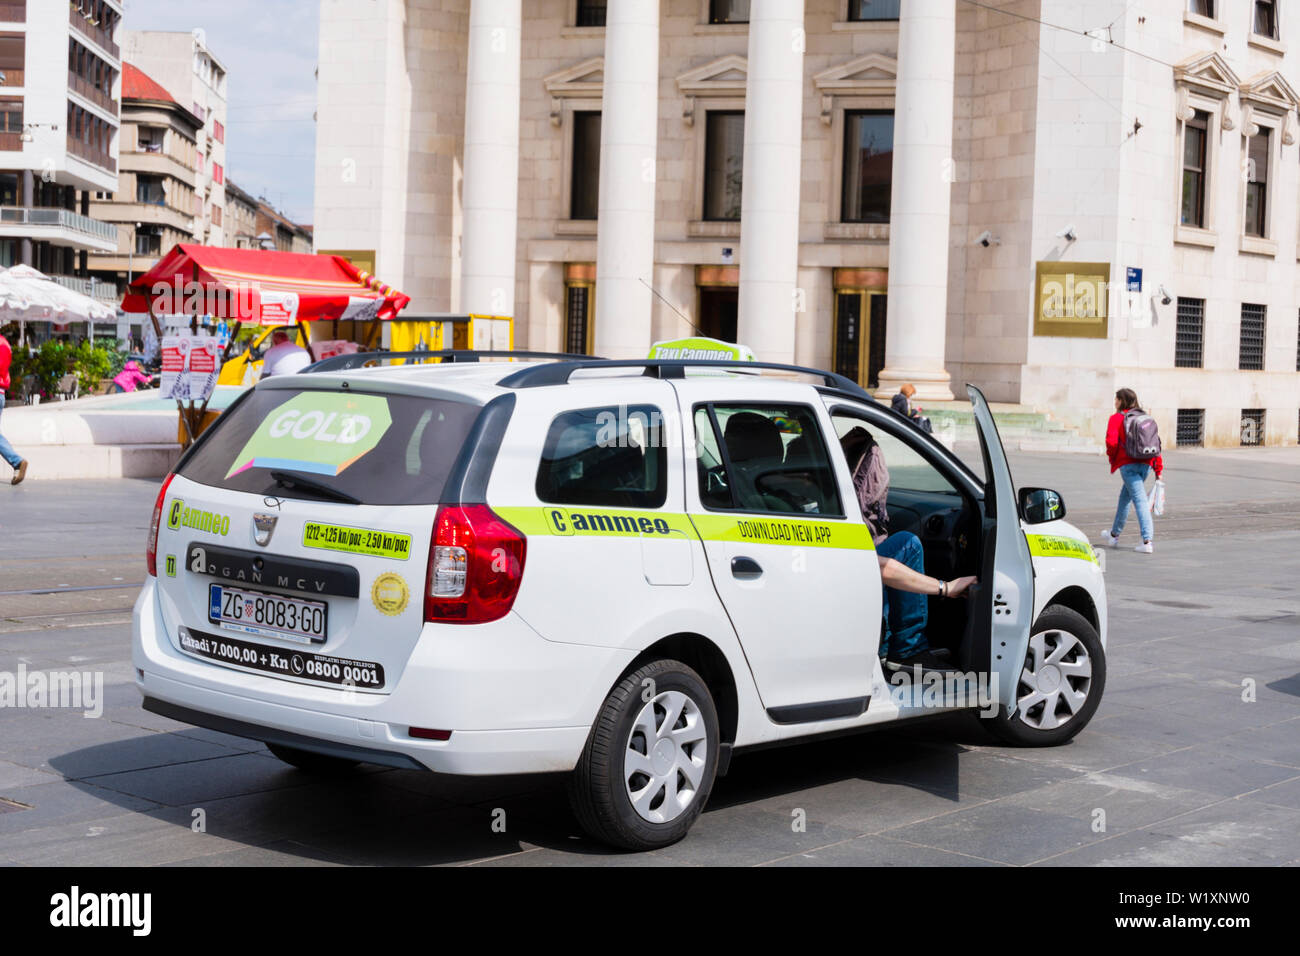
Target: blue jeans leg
[[7, 450], [1134, 491], [905, 612]]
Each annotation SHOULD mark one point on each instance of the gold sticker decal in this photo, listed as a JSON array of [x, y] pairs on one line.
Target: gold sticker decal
[[390, 593]]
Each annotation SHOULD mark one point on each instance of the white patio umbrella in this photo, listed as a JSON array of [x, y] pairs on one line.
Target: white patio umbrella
[[27, 295]]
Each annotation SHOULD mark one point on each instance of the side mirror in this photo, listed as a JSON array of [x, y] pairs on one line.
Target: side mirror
[[1038, 505]]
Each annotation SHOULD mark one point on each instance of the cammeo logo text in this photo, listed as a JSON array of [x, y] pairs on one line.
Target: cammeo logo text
[[178, 516]]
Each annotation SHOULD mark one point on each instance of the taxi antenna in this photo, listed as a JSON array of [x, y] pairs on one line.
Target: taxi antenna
[[671, 306]]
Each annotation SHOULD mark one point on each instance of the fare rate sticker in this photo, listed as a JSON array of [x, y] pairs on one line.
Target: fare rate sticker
[[378, 544]]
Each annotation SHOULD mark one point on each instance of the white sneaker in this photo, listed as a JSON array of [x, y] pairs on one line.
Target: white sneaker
[[1146, 547], [1108, 540]]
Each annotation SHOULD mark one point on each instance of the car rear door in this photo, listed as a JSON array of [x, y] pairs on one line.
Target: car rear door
[[1007, 592], [789, 554]]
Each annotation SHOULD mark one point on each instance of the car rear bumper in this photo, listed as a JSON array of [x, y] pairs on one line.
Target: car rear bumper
[[441, 688]]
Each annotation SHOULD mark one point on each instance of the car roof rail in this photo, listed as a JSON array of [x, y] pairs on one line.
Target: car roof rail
[[557, 373], [342, 363]]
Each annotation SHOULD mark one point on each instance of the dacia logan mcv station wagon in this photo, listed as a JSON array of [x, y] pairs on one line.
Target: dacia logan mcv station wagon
[[577, 566]]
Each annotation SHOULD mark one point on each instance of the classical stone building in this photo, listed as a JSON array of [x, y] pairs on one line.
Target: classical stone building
[[1046, 198]]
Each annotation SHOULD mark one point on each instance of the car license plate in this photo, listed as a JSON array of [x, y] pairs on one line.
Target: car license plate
[[270, 615], [283, 662]]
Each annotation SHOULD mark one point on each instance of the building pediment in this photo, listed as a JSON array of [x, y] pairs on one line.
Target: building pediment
[[584, 80], [873, 73], [1207, 73], [725, 76], [1269, 91]]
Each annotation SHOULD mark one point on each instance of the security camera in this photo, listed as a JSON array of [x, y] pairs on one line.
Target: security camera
[[1165, 297], [987, 239], [1068, 233]]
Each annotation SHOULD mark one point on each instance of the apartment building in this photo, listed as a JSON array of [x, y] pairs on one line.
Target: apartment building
[[59, 122], [184, 65], [155, 206]]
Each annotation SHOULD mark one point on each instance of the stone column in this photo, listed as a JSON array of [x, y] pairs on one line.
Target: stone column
[[919, 202], [769, 216], [490, 190], [625, 226]]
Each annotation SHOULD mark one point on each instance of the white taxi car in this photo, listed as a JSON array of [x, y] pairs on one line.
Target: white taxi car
[[622, 570]]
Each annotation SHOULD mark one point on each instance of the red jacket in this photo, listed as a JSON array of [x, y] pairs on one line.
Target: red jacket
[[1115, 447], [6, 356]]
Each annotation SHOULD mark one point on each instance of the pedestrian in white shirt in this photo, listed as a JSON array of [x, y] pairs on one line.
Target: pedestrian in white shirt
[[284, 357]]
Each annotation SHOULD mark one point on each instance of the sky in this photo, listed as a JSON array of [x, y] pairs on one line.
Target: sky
[[269, 50]]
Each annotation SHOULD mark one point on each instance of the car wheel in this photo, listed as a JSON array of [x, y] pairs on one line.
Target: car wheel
[[309, 762], [1060, 685], [650, 760]]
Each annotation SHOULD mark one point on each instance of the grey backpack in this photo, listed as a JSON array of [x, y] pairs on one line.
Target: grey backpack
[[1141, 437]]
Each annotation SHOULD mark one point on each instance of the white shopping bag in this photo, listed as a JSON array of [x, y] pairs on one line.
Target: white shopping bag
[[1158, 498]]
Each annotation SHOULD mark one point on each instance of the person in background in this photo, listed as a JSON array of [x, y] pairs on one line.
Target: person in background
[[130, 378], [16, 461], [1132, 471], [284, 357], [902, 403]]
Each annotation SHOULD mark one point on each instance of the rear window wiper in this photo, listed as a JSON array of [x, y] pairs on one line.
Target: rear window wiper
[[288, 479]]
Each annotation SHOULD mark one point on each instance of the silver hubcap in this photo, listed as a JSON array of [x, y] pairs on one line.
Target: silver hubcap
[[1055, 681], [663, 763]]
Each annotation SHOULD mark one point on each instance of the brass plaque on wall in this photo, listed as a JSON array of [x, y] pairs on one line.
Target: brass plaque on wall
[[1071, 299]]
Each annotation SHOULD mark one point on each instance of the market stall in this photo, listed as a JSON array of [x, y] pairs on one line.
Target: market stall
[[250, 286]]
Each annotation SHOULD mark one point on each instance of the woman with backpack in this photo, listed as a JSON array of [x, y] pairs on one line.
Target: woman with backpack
[[1133, 447]]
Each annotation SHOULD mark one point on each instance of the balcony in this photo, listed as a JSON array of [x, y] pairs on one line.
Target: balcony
[[11, 142], [14, 11], [97, 35], [14, 77], [83, 87], [105, 292], [59, 226], [91, 155]]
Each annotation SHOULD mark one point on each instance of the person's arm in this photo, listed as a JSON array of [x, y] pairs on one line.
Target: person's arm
[[1158, 464], [900, 577]]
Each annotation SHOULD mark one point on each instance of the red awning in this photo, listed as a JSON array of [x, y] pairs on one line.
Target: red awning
[[261, 287]]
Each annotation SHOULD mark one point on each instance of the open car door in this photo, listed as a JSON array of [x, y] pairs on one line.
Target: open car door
[[1007, 592]]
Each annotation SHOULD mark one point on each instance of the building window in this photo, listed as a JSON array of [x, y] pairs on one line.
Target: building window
[[13, 58], [1265, 23], [1297, 348], [1257, 184], [199, 111], [1194, 143], [1252, 427], [1251, 355], [149, 190], [868, 166], [218, 174], [728, 11], [11, 116], [724, 160], [1189, 336], [218, 131], [584, 178], [149, 139], [148, 241], [578, 312], [1202, 8], [861, 10], [216, 215], [591, 13], [1191, 427]]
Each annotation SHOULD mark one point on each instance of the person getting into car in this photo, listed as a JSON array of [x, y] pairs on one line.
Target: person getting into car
[[284, 357], [1133, 447], [902, 564]]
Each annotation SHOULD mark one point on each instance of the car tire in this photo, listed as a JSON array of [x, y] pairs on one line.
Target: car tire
[[635, 793], [310, 762], [1079, 668]]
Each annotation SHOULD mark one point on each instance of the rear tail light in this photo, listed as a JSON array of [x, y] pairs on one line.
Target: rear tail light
[[476, 561], [151, 546]]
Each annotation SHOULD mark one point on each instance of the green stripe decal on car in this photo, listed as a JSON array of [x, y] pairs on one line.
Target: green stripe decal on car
[[1055, 546], [798, 532]]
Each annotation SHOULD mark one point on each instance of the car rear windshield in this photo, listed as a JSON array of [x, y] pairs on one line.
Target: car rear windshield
[[334, 445]]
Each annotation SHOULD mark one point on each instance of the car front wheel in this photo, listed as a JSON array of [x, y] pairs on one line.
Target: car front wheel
[[1060, 684], [650, 760]]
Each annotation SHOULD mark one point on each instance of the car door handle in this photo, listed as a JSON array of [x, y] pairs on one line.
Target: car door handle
[[745, 568]]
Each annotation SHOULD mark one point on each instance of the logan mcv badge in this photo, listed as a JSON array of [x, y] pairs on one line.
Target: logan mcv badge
[[263, 528]]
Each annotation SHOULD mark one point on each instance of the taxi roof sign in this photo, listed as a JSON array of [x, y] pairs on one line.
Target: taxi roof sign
[[703, 348]]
